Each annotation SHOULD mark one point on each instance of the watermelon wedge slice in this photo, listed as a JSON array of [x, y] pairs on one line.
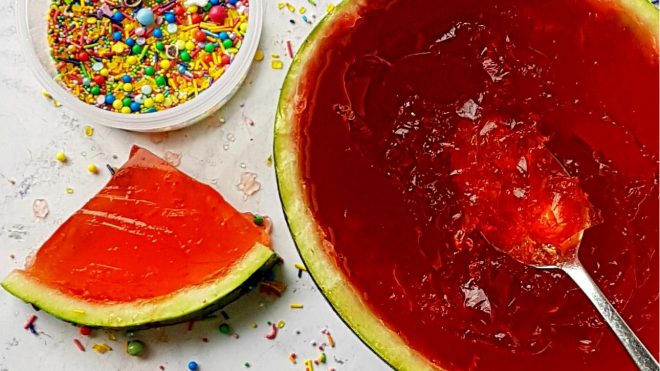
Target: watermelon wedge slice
[[153, 247]]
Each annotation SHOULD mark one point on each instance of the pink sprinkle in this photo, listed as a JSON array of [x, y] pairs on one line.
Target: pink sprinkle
[[273, 333], [289, 48], [79, 345], [30, 322]]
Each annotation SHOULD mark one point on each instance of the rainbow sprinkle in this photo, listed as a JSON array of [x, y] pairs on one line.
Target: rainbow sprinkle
[[143, 56]]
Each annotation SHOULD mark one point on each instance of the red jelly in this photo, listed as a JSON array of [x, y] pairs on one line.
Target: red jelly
[[402, 86], [514, 192]]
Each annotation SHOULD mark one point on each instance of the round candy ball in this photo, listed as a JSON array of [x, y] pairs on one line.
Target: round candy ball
[[158, 33], [117, 17], [135, 348], [192, 366], [135, 106], [145, 16], [117, 35], [200, 35], [170, 17], [217, 14]]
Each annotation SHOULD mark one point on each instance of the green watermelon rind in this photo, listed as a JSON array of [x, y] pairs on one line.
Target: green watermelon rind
[[185, 304], [315, 250]]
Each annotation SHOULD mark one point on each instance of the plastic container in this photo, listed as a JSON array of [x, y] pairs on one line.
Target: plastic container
[[32, 34]]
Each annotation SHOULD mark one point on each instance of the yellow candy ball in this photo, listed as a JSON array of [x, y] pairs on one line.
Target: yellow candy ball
[[164, 64], [180, 44], [104, 72], [131, 60], [125, 110], [117, 104], [243, 27], [60, 156], [148, 103], [190, 45], [192, 9], [92, 168], [128, 87], [159, 98]]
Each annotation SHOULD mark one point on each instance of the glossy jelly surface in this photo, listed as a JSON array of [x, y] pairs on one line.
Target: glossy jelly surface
[[395, 102]]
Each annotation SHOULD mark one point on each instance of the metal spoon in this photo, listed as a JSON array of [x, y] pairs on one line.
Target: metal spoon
[[571, 265]]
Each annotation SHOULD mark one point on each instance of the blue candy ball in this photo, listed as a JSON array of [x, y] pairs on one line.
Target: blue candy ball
[[130, 42], [126, 78], [109, 99], [145, 16], [223, 35], [233, 2], [117, 35], [192, 366], [135, 106], [158, 33], [169, 17], [215, 2], [117, 17]]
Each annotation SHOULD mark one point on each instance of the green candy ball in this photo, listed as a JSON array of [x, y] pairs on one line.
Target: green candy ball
[[185, 56], [135, 348]]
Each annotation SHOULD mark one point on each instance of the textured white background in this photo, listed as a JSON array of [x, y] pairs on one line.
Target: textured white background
[[32, 130]]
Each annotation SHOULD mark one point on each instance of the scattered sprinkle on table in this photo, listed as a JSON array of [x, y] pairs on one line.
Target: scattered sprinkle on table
[[193, 366], [296, 306], [101, 347], [273, 332], [85, 331], [29, 325], [145, 55], [79, 345], [60, 156], [224, 329], [135, 347]]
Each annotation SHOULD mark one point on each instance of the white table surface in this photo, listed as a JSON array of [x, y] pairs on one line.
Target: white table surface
[[32, 130]]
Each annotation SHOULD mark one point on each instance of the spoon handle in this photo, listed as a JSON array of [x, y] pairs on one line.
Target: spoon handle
[[638, 352]]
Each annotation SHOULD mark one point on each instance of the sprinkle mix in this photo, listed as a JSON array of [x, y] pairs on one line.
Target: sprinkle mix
[[138, 56]]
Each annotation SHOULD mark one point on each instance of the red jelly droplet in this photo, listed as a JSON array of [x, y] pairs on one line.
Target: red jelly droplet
[[217, 14]]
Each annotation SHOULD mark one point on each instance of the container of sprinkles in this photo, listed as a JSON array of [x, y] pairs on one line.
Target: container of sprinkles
[[141, 65]]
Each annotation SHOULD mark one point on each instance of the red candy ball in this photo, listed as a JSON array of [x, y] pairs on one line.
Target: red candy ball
[[200, 36], [217, 14], [224, 59], [196, 18], [99, 80], [86, 331], [208, 59], [83, 57], [178, 10]]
